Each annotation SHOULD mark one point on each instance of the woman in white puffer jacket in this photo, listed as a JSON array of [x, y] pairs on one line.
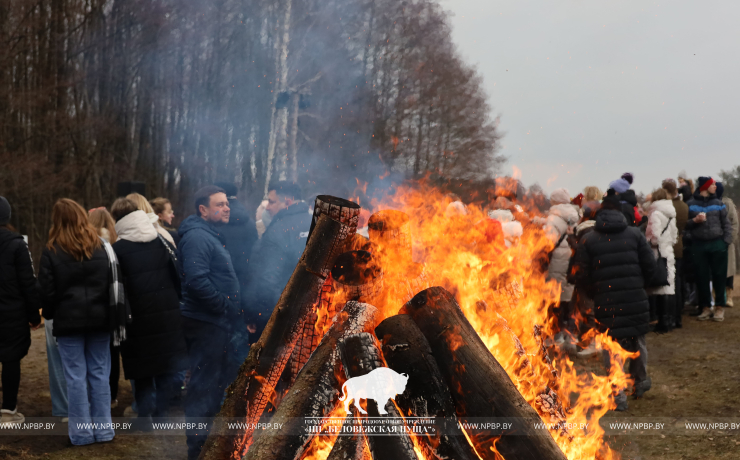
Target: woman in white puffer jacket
[[561, 221], [662, 234]]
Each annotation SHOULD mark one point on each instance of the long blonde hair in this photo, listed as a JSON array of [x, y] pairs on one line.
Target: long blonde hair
[[101, 219], [140, 202], [71, 230], [592, 193]]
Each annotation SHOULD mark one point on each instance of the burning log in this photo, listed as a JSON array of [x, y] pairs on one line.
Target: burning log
[[479, 385], [268, 357], [355, 276], [339, 209], [350, 447], [360, 356], [315, 391], [407, 351]]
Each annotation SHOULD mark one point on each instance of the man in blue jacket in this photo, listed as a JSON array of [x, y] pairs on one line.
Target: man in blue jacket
[[210, 306], [276, 254]]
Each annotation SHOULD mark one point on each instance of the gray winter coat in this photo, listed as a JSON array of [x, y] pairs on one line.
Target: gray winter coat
[[717, 224]]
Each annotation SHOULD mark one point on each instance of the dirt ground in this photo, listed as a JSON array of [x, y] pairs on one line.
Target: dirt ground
[[694, 371]]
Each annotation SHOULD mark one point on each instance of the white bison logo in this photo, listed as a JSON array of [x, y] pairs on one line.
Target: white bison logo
[[380, 384]]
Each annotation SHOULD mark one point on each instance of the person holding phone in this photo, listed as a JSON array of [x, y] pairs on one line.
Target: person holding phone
[[710, 232]]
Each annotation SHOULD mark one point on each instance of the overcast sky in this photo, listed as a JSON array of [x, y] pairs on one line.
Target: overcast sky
[[588, 90]]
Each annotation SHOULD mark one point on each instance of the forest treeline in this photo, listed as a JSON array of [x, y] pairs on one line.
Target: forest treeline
[[182, 93]]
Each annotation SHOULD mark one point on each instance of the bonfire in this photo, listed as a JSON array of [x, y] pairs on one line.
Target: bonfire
[[433, 297]]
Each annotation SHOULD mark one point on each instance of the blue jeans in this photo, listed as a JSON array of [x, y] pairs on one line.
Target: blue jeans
[[57, 384], [86, 362]]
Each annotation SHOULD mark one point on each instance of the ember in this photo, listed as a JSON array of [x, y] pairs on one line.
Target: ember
[[474, 347]]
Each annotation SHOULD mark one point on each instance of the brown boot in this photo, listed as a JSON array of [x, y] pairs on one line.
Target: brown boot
[[729, 298]]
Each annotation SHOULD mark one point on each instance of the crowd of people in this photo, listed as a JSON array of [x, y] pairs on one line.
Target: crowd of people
[[122, 285], [180, 307], [628, 268]]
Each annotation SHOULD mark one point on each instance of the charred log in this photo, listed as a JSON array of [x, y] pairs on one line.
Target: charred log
[[407, 351], [479, 385], [339, 209], [255, 384], [361, 355], [355, 276], [316, 389], [350, 447]]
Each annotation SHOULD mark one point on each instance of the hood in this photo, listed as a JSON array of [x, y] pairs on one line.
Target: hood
[[567, 212], [583, 226], [239, 214], [665, 207], [6, 236], [610, 221], [559, 196], [195, 222], [501, 215], [629, 196], [136, 227]]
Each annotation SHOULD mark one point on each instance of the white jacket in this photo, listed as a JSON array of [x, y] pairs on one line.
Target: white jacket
[[659, 215], [512, 229], [563, 217]]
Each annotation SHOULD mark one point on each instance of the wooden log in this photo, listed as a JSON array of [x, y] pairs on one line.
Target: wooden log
[[355, 276], [350, 446], [361, 355], [479, 385], [255, 384], [316, 390], [339, 209], [407, 351]]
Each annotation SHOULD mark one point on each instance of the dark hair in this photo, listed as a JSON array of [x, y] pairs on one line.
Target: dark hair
[[670, 187], [228, 187], [203, 196], [121, 208], [285, 188]]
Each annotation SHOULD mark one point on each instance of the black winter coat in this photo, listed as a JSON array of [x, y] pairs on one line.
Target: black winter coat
[[76, 293], [240, 235], [611, 264], [19, 296], [717, 225], [275, 257], [155, 343]]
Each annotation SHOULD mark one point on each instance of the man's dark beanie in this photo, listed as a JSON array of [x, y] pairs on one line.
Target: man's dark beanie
[[4, 211], [611, 201], [702, 181]]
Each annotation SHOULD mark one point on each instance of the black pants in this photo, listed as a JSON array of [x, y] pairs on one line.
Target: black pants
[[153, 395], [730, 283], [115, 370], [11, 383], [212, 370]]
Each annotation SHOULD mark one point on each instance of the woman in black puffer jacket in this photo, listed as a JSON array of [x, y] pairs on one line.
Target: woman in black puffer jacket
[[155, 350], [612, 264], [76, 280], [19, 309]]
